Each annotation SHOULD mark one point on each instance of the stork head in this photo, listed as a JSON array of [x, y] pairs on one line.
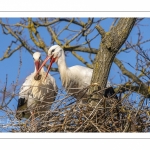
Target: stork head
[[37, 61], [54, 53]]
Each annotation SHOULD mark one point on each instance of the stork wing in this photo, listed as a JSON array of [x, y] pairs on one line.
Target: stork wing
[[24, 93], [82, 75]]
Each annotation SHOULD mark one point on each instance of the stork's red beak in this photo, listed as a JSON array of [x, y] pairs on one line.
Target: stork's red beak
[[37, 65], [50, 65], [44, 62]]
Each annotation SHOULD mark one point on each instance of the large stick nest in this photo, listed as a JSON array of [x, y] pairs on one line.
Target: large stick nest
[[107, 115]]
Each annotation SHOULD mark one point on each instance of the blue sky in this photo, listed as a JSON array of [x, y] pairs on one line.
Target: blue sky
[[10, 66]]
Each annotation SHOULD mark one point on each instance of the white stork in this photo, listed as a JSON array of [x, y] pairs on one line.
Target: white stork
[[75, 77], [37, 92]]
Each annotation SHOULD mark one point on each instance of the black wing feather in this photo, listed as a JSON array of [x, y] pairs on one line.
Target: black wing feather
[[109, 92], [21, 102]]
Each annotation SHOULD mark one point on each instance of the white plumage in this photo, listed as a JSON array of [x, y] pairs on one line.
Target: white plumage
[[37, 92], [73, 78]]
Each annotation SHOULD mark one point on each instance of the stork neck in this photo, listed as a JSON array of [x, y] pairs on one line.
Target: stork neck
[[62, 67], [62, 63]]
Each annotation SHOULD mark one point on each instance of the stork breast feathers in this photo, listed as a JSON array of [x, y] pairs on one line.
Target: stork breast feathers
[[41, 87]]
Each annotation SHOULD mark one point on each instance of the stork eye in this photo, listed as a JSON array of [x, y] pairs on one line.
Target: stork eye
[[52, 51]]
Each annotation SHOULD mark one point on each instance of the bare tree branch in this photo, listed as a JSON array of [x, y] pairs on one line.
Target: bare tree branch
[[100, 30], [82, 60]]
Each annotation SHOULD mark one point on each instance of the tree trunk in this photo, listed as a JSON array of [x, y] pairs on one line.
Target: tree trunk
[[110, 44]]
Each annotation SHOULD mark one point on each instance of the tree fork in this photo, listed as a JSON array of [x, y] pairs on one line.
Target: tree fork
[[110, 45]]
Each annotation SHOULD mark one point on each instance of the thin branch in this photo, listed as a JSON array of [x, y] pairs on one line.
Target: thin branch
[[113, 24], [54, 36], [7, 54], [82, 60], [131, 46], [130, 75], [40, 42], [81, 49], [4, 92], [65, 28], [100, 30]]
